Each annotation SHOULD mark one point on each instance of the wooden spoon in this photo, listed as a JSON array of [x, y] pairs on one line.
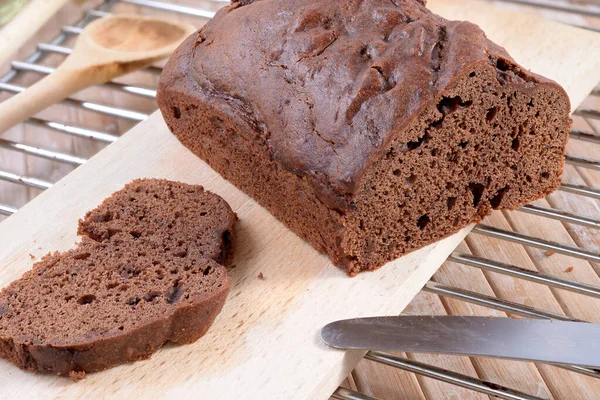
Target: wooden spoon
[[107, 48]]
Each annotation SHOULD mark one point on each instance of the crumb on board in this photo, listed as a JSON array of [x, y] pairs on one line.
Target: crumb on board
[[549, 253], [261, 276], [569, 269], [31, 256], [76, 376]]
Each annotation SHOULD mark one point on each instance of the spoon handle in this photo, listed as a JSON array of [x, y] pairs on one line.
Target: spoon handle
[[50, 90]]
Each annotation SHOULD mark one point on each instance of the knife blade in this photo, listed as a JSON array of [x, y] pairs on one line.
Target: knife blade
[[548, 341]]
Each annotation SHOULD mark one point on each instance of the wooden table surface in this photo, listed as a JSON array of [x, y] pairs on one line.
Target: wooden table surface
[[369, 377]]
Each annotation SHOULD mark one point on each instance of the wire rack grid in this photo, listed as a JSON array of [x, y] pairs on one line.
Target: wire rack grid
[[583, 13]]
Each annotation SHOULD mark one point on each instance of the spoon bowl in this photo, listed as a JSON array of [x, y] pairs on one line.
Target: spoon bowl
[[131, 34]]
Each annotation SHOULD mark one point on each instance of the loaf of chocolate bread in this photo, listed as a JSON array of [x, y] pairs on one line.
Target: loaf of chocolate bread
[[370, 128], [148, 271]]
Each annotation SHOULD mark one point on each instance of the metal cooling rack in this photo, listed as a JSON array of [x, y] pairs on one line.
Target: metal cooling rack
[[586, 8]]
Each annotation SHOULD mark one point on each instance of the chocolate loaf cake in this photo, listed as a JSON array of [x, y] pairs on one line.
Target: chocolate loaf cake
[[148, 271], [371, 128]]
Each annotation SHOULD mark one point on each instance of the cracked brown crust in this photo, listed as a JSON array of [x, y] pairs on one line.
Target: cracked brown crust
[[316, 91], [148, 271], [314, 51]]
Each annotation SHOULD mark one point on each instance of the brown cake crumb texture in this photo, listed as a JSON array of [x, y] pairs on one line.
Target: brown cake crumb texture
[[371, 128], [149, 270]]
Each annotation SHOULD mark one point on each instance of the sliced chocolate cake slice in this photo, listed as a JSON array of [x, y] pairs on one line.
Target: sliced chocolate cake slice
[[148, 271]]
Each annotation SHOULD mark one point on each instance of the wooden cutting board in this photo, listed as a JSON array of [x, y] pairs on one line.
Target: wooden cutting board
[[265, 344]]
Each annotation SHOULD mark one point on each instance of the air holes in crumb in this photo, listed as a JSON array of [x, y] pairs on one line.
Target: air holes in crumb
[[497, 199], [450, 104], [491, 114], [112, 285], [472, 75], [463, 144], [176, 112], [396, 172], [477, 191], [133, 301], [149, 297], [175, 292], [87, 299], [423, 221], [135, 234], [203, 213], [545, 175], [450, 203], [81, 256], [515, 144], [411, 179], [434, 152], [502, 64], [419, 142]]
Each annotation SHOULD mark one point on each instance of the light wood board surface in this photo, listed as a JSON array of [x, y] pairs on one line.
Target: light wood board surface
[[266, 340]]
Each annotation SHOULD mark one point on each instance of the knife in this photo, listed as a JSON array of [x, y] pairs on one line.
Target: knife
[[547, 341]]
